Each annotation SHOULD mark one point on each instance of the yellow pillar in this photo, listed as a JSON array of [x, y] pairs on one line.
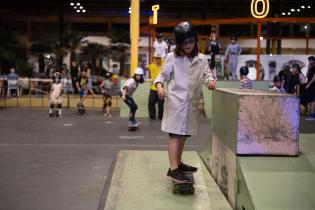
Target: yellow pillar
[[134, 34]]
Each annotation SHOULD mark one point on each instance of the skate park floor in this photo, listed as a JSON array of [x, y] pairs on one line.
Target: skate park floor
[[67, 163]]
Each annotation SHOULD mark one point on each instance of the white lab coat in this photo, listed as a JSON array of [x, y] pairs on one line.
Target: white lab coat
[[184, 79]]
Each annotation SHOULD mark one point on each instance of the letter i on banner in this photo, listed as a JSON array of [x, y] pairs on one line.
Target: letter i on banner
[[155, 9]]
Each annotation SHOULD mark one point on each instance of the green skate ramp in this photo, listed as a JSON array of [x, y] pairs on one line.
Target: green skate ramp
[[278, 183], [139, 183]]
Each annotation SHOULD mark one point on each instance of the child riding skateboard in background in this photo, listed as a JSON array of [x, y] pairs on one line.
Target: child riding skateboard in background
[[106, 89], [127, 91], [56, 95], [184, 71], [82, 85]]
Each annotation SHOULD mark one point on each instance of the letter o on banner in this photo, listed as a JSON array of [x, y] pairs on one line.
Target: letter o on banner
[[254, 8]]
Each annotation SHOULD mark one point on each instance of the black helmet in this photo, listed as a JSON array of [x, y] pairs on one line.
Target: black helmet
[[183, 31], [159, 35], [297, 66], [108, 75], [56, 77], [244, 71], [277, 78], [234, 37]]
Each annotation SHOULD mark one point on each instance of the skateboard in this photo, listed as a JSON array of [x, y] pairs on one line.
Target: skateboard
[[54, 114], [184, 188], [133, 128], [81, 109]]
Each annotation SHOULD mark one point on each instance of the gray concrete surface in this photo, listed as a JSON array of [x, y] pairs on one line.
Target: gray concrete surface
[[64, 163]]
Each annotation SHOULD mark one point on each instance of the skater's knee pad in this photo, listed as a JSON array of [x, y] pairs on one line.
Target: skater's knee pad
[[59, 106], [109, 103], [52, 106]]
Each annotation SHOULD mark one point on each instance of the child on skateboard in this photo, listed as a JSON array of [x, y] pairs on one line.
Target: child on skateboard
[[127, 91], [184, 71], [82, 85], [106, 89], [56, 96]]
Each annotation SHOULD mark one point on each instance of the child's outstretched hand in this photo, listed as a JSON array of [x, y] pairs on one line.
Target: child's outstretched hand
[[212, 85], [160, 90]]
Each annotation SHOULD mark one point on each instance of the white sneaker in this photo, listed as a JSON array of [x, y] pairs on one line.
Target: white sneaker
[[105, 115], [109, 115]]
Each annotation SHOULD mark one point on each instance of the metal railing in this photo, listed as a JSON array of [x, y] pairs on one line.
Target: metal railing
[[34, 93]]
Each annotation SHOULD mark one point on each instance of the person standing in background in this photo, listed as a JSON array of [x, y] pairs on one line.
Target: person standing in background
[[215, 51], [154, 69], [74, 72], [231, 55], [160, 47]]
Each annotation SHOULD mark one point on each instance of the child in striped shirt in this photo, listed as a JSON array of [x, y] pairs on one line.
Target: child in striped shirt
[[245, 82]]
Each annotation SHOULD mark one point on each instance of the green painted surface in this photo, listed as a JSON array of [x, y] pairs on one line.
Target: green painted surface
[[259, 85], [282, 183], [141, 97], [225, 117], [139, 182]]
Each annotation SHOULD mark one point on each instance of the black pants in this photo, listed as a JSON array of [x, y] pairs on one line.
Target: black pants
[[74, 85], [133, 107], [153, 99]]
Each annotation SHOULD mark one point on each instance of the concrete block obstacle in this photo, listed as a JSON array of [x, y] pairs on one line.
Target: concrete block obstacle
[[258, 162], [254, 122]]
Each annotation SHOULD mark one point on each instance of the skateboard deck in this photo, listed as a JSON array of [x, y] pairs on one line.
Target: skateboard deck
[[133, 128], [81, 109], [184, 188]]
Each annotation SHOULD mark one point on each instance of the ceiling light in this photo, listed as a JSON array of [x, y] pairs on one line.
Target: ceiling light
[[81, 7], [298, 10], [83, 11], [71, 4], [303, 7], [283, 13], [78, 4], [305, 27], [292, 10], [289, 13], [309, 7], [75, 7], [78, 11]]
